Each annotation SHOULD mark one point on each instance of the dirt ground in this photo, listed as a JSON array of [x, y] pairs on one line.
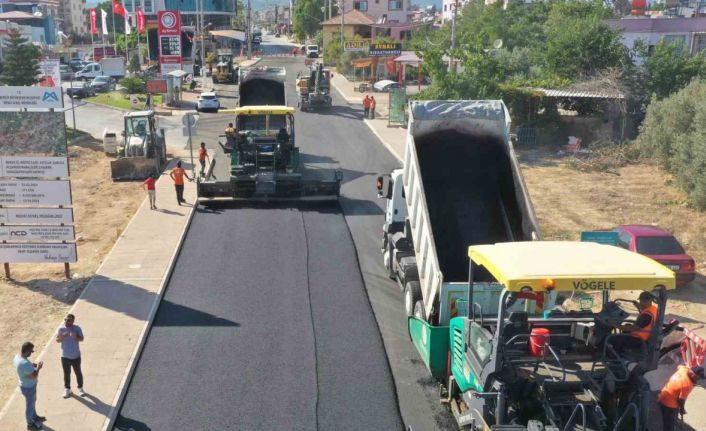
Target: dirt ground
[[37, 297], [568, 201]]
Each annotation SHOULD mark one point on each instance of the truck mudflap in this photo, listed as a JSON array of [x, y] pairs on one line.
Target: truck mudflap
[[250, 189]]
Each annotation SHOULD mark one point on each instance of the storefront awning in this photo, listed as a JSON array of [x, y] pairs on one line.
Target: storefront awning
[[408, 58], [362, 62], [232, 34]]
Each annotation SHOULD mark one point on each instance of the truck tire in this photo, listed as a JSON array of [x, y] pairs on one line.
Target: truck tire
[[419, 310], [412, 294]]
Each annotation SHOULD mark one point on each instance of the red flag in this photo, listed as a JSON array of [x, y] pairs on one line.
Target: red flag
[[140, 21], [118, 8], [92, 12]]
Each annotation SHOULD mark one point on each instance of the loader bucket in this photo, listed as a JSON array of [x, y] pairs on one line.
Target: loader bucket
[[134, 168]]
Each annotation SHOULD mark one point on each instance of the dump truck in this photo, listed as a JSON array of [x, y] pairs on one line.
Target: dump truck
[[225, 71], [265, 162], [262, 86], [314, 89], [143, 151], [491, 332], [460, 185]]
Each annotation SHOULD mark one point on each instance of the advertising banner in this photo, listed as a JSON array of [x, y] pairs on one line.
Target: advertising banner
[[39, 192], [169, 39], [31, 97], [355, 45], [32, 133], [36, 233], [385, 49], [38, 253], [49, 72], [43, 216], [34, 167]]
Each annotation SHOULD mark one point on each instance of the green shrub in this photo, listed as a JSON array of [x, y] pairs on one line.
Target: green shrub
[[134, 85], [673, 133]]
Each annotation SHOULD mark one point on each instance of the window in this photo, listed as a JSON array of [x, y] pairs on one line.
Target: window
[[445, 6], [361, 6], [149, 8], [480, 346], [394, 4], [658, 245], [678, 39]]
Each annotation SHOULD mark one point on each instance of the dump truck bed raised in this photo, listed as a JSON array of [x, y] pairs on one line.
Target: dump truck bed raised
[[463, 186], [262, 86]]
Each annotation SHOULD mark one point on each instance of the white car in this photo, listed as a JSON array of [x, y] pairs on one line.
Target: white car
[[208, 102], [385, 85], [312, 51]]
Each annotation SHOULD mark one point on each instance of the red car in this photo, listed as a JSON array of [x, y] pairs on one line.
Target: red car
[[659, 245]]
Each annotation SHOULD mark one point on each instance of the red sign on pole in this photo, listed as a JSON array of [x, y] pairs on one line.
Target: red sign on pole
[[169, 34], [92, 12]]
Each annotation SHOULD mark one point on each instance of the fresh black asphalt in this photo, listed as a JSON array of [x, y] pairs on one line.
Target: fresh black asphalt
[[267, 322]]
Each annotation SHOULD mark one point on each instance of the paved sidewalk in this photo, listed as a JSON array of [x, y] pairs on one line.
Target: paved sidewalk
[[114, 311], [394, 137]]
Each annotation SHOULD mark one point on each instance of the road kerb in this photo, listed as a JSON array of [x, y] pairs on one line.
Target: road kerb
[[125, 383]]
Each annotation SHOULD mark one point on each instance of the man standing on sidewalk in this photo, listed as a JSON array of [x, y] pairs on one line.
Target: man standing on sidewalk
[[69, 336], [178, 175], [28, 374], [373, 104]]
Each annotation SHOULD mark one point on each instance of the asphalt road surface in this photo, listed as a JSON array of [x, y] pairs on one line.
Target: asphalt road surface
[[283, 317]]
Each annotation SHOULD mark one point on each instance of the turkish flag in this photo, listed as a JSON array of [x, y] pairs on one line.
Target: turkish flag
[[118, 8], [140, 21], [94, 29]]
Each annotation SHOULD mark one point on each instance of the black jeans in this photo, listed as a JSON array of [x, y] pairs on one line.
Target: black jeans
[[179, 192], [67, 364], [203, 167], [669, 417]]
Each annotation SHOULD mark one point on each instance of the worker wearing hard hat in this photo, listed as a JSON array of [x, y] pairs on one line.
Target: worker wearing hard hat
[[673, 395]]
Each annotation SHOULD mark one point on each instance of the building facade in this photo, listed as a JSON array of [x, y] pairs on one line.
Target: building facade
[[689, 31], [217, 12], [42, 17], [73, 16], [383, 11]]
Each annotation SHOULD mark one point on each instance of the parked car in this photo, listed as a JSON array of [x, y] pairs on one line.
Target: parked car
[[312, 51], [660, 245], [103, 84], [77, 64], [66, 73], [385, 85], [81, 91], [208, 102]]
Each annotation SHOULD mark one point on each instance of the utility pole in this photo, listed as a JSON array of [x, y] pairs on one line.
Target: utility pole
[[453, 36], [202, 33], [248, 32], [343, 4]]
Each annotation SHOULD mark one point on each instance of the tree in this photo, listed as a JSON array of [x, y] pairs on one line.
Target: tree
[[579, 42], [673, 133], [134, 65], [307, 18], [669, 68], [133, 85], [21, 65]]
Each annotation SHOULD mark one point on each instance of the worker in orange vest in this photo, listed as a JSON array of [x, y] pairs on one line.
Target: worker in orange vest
[[673, 395], [641, 330], [366, 106], [177, 175]]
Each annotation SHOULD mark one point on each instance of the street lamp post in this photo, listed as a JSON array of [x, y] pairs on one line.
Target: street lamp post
[[248, 32]]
